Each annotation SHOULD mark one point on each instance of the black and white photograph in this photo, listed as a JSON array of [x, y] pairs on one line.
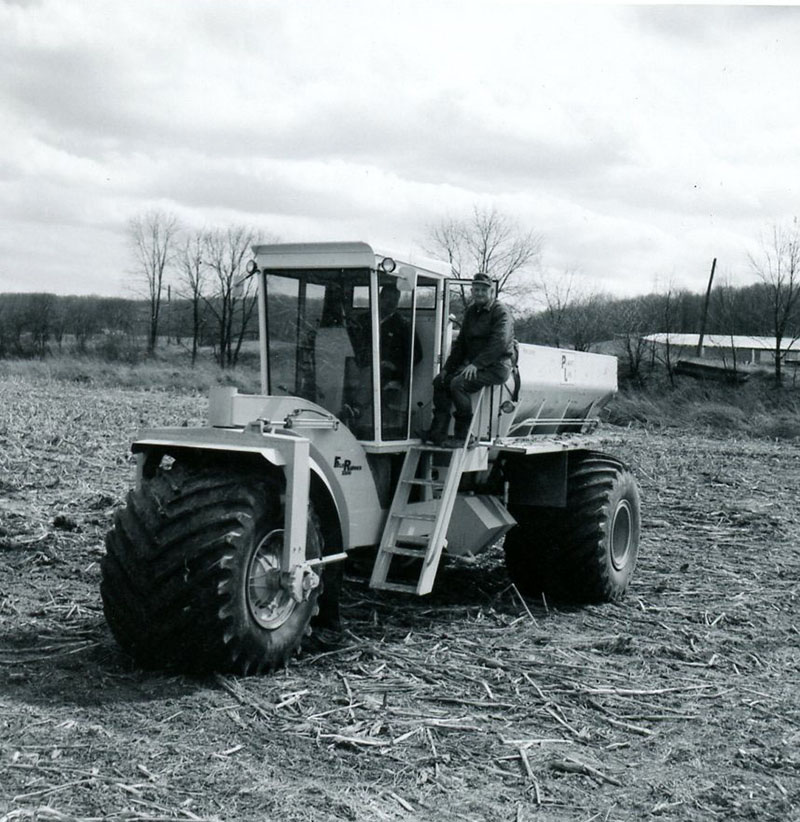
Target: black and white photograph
[[399, 411]]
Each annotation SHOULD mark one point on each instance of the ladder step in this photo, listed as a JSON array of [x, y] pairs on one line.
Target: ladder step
[[443, 449], [422, 463], [404, 551], [409, 540], [420, 517], [395, 586]]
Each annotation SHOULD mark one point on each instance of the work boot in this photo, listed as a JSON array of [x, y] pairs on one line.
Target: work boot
[[432, 436], [460, 432], [459, 442], [437, 433]]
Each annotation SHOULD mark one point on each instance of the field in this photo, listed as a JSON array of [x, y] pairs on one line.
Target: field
[[681, 703]]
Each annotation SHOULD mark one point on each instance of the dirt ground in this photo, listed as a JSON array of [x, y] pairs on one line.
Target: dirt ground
[[681, 703]]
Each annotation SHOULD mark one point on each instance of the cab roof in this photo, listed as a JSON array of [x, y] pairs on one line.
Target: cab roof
[[341, 255]]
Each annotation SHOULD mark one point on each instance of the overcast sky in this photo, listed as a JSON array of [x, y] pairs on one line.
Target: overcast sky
[[641, 141]]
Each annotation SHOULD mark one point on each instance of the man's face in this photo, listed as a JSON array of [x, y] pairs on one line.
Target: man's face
[[481, 293], [388, 301]]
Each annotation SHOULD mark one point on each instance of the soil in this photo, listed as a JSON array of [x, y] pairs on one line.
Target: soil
[[679, 703]]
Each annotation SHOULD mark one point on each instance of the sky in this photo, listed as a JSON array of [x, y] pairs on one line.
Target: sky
[[640, 141]]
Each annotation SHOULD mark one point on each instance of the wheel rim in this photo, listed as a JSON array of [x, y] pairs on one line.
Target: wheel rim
[[269, 602], [621, 531]]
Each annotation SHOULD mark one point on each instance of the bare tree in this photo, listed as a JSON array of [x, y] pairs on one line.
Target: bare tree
[[778, 267], [587, 320], [14, 323], [489, 241], [668, 323], [152, 237], [727, 308], [225, 251], [41, 312], [60, 322], [191, 282], [84, 322], [557, 294], [446, 239], [632, 324]]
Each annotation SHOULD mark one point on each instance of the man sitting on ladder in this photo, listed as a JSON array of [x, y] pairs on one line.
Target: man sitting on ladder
[[482, 354]]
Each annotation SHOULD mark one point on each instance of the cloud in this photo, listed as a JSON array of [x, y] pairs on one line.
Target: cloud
[[636, 139], [709, 24]]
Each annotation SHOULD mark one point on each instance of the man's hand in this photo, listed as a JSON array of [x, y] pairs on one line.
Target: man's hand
[[469, 371]]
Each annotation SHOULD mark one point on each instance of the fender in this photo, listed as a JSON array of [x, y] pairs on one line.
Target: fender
[[360, 517]]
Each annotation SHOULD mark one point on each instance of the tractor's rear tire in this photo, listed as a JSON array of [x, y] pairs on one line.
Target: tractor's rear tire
[[530, 548], [191, 576], [586, 552]]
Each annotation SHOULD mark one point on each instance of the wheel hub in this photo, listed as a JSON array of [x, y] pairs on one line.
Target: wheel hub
[[621, 533], [269, 602]]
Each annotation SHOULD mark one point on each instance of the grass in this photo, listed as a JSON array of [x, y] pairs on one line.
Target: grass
[[755, 409], [164, 372]]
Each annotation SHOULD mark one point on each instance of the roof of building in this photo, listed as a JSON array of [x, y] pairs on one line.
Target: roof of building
[[724, 341]]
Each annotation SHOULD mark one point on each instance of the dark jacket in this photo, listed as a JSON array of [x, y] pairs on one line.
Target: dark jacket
[[395, 347], [395, 336], [486, 338]]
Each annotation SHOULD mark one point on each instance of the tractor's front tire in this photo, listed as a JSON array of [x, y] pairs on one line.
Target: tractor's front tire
[[586, 552], [191, 576]]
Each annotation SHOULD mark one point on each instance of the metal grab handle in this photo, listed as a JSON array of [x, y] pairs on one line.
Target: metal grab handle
[[294, 420], [327, 560]]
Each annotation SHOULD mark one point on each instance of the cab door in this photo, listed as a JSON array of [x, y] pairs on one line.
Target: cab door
[[456, 299]]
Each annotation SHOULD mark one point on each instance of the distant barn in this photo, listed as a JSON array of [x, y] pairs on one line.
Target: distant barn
[[727, 350]]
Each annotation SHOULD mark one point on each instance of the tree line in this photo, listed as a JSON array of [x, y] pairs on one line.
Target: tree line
[[194, 291], [570, 314], [37, 325], [206, 269]]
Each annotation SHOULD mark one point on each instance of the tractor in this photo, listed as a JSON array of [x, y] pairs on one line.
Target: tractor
[[232, 540]]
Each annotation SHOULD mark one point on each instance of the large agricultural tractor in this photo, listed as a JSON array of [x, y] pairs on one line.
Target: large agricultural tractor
[[220, 559]]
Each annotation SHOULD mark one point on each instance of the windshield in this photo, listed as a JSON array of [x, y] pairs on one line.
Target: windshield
[[313, 350], [320, 345]]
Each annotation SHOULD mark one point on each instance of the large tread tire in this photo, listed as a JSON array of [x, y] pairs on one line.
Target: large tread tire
[[178, 565], [586, 552], [531, 551]]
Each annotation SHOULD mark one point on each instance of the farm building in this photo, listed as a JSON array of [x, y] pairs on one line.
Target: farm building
[[727, 349]]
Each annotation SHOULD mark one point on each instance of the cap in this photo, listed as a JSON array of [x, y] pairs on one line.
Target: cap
[[482, 277]]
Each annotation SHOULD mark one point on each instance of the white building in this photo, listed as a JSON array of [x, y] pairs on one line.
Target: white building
[[727, 348]]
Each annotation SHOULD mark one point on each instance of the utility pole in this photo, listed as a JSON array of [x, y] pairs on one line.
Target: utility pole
[[703, 319]]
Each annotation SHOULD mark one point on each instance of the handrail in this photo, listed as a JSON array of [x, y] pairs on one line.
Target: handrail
[[475, 415]]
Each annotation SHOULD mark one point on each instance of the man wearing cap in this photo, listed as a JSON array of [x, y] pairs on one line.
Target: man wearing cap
[[482, 354]]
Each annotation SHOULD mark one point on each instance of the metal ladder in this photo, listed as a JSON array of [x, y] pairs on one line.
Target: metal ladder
[[419, 529]]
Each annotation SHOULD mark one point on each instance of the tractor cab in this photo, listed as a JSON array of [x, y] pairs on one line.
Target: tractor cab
[[353, 331]]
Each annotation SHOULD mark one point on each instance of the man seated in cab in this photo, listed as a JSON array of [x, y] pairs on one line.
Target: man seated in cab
[[482, 354], [396, 355]]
